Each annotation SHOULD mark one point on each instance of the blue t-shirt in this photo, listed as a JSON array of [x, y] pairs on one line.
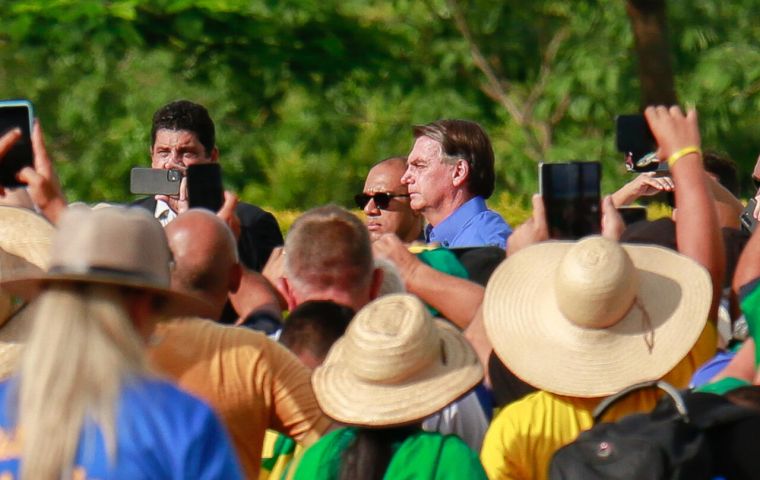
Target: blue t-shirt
[[161, 432], [471, 225]]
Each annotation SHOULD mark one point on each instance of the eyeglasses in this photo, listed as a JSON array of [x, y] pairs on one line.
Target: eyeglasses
[[382, 199]]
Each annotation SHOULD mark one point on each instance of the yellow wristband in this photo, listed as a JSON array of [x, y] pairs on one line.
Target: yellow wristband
[[682, 153]]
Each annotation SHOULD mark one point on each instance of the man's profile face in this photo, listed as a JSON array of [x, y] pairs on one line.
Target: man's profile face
[[427, 177], [398, 218], [178, 149]]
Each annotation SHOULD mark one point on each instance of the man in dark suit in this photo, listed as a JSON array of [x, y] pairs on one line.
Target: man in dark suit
[[183, 134]]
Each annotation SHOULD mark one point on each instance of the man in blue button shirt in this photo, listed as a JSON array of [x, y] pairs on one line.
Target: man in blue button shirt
[[450, 174]]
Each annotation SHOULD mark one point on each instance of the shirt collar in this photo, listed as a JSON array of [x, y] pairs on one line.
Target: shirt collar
[[450, 226], [164, 213]]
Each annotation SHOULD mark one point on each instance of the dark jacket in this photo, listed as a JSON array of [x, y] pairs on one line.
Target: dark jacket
[[259, 232]]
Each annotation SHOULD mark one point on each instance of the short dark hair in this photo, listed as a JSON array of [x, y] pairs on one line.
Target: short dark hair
[[722, 166], [314, 326], [466, 140], [185, 115]]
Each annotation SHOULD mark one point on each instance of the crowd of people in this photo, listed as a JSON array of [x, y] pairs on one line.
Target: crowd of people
[[426, 340]]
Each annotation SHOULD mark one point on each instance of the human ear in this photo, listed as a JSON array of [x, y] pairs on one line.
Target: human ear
[[460, 173]]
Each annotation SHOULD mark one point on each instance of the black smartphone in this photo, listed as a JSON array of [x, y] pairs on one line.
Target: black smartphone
[[571, 196], [204, 186], [634, 138], [632, 214], [16, 113], [152, 181], [747, 217]]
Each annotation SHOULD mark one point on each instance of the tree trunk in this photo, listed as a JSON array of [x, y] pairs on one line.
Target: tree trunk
[[650, 32]]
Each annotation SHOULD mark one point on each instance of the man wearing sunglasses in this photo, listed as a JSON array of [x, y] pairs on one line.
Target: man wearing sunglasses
[[385, 201]]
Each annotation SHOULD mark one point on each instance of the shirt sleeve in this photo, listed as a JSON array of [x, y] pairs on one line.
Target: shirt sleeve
[[499, 452], [295, 411]]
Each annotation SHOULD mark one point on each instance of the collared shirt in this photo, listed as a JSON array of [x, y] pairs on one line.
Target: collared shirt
[[164, 213], [471, 225]]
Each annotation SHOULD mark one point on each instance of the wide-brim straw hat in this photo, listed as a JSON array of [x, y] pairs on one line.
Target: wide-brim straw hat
[[589, 318], [394, 366], [110, 246], [25, 240]]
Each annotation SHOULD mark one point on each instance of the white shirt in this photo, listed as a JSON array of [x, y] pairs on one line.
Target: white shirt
[[164, 213]]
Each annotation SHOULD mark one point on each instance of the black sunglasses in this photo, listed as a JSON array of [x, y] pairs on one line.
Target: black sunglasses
[[382, 199], [756, 183]]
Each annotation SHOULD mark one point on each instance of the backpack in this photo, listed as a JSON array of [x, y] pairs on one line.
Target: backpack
[[671, 442]]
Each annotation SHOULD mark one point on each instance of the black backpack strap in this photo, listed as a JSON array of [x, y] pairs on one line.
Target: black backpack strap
[[678, 401]]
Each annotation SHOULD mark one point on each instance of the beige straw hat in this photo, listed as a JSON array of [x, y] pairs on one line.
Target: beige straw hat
[[395, 365], [589, 318], [25, 239], [112, 246]]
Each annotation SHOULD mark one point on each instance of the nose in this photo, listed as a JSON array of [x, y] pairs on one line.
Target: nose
[[172, 162], [371, 208], [406, 178]]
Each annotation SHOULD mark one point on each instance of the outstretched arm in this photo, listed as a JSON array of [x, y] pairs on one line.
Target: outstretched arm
[[457, 299], [697, 231]]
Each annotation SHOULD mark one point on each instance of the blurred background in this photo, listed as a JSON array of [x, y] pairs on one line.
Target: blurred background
[[306, 95]]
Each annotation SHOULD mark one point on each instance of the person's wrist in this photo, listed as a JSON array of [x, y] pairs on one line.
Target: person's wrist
[[683, 152]]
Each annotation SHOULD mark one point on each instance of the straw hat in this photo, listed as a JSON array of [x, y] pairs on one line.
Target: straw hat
[[590, 318], [111, 246], [25, 239], [395, 365]]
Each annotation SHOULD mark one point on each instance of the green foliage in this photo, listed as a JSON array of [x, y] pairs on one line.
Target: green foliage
[[307, 95]]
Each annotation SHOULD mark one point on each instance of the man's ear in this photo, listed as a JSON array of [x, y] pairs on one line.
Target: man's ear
[[376, 283], [286, 289], [214, 155], [461, 173]]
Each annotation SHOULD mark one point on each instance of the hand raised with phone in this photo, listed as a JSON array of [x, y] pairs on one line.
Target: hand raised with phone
[[42, 182]]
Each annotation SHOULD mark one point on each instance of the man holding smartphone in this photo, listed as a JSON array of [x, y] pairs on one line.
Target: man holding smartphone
[[182, 135]]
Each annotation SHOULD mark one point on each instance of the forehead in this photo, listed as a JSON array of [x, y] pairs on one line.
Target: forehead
[[425, 148], [166, 137], [385, 177]]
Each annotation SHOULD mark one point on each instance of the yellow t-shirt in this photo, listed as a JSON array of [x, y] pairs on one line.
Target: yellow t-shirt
[[522, 439], [252, 382]]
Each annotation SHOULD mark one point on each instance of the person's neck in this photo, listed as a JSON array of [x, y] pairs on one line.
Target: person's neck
[[447, 207]]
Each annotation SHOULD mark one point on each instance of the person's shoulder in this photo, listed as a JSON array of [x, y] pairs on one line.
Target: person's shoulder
[[250, 211], [222, 337], [148, 203]]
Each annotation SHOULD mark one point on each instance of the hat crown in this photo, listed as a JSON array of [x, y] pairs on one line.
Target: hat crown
[[116, 241], [596, 283], [390, 342]]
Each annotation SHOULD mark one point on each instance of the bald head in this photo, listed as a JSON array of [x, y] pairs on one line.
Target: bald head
[[205, 256]]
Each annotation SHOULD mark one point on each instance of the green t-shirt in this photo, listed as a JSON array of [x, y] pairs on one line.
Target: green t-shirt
[[427, 455]]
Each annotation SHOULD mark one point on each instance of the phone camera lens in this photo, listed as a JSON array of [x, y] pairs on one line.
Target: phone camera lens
[[174, 175]]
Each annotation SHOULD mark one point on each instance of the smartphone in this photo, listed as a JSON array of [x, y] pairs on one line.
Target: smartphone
[[16, 113], [747, 217], [571, 196], [634, 138], [204, 186], [632, 214], [152, 181]]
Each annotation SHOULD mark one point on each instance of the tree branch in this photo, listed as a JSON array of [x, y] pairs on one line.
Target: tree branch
[[496, 88]]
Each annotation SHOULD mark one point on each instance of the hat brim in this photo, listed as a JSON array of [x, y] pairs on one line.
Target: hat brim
[[355, 401], [174, 304], [534, 339]]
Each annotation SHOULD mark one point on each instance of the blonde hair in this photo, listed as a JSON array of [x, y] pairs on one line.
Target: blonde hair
[[328, 246], [81, 350]]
